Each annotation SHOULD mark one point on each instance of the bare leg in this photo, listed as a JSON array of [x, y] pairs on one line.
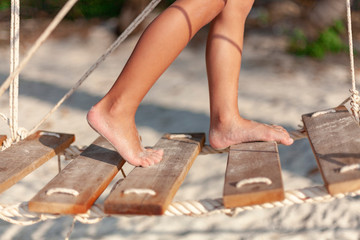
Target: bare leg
[[224, 50], [114, 116]]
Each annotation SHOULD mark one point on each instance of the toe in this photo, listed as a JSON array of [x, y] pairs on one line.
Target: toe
[[153, 159], [280, 135], [157, 155], [159, 152], [145, 164], [285, 136], [287, 140], [280, 128]]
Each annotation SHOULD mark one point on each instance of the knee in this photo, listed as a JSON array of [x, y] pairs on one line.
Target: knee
[[221, 3], [216, 5], [208, 8], [241, 7]]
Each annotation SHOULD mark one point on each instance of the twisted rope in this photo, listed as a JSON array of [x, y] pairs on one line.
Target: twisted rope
[[117, 42], [19, 214], [207, 207], [354, 93], [37, 44], [14, 63], [17, 133], [20, 134]]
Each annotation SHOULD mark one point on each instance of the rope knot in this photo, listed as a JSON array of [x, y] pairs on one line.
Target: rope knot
[[354, 103], [21, 134]]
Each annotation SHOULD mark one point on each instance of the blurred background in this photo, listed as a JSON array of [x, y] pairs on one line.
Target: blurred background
[[312, 27]]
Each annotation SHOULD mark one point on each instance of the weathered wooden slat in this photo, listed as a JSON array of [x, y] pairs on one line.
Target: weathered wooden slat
[[81, 182], [159, 182], [25, 156], [335, 140], [253, 175]]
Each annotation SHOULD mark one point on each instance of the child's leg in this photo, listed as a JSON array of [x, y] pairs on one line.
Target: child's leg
[[224, 50], [114, 116]]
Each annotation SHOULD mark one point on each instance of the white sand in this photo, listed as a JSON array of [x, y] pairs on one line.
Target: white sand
[[274, 88]]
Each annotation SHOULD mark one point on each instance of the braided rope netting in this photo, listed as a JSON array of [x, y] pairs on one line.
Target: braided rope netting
[[19, 214]]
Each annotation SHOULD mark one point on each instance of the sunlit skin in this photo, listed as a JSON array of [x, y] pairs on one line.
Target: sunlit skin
[[114, 115]]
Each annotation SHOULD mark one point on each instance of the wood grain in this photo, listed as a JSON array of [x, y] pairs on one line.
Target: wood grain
[[89, 174], [164, 178], [335, 141], [25, 156], [253, 160]]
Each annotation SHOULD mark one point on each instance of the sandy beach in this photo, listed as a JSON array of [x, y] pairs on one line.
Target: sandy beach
[[275, 87]]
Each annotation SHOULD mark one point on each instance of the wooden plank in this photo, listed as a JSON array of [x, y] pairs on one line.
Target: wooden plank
[[25, 156], [2, 139], [87, 177], [163, 179], [253, 175], [335, 140]]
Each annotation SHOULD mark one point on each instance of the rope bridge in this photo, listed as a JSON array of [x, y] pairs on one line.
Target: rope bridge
[[19, 213]]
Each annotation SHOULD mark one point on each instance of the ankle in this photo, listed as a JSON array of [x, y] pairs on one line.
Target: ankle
[[220, 122], [115, 108]]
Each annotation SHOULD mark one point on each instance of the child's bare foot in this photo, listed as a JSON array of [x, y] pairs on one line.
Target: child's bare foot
[[241, 130], [121, 132]]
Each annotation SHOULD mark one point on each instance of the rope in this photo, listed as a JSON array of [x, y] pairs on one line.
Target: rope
[[37, 44], [21, 134], [316, 114], [177, 136], [71, 229], [349, 168], [14, 63], [140, 191], [207, 207], [354, 93], [118, 41], [19, 214], [244, 182], [17, 133], [69, 191]]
